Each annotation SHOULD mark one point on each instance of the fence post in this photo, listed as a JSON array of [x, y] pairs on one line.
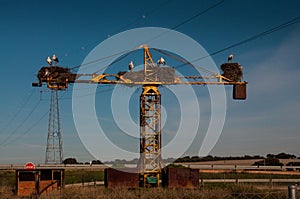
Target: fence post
[[270, 182], [82, 180], [293, 191]]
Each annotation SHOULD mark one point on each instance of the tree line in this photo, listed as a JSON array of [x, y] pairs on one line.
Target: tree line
[[270, 159]]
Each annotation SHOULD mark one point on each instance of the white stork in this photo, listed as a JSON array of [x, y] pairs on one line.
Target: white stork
[[49, 61], [230, 57], [161, 61], [131, 65], [55, 59]]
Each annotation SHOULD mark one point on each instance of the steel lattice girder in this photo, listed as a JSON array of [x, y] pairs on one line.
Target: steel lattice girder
[[150, 139], [54, 140]]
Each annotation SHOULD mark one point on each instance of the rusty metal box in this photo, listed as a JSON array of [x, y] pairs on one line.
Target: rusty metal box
[[128, 178], [181, 178], [240, 91], [36, 182]]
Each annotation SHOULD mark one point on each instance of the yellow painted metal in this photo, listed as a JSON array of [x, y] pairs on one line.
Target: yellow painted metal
[[150, 164], [150, 79], [149, 65], [98, 78]]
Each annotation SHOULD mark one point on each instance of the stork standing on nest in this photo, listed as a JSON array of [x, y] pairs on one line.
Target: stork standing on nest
[[161, 61], [49, 61], [55, 59], [131, 66], [230, 57]]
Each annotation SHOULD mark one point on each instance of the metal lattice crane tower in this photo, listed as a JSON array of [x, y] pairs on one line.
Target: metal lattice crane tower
[[150, 78], [54, 152], [150, 163]]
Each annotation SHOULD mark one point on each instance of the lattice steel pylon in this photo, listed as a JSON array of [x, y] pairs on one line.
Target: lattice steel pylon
[[150, 164], [54, 153]]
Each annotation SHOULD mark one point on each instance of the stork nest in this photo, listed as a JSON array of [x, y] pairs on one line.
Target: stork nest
[[232, 71], [55, 73], [160, 74]]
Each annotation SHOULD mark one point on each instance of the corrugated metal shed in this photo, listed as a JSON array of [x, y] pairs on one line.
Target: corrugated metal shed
[[128, 178], [35, 182], [181, 178]]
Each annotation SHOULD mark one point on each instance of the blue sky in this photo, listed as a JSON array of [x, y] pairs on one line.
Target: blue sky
[[267, 122]]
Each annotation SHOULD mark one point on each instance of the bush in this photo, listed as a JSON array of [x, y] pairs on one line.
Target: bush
[[270, 161], [70, 161], [96, 162]]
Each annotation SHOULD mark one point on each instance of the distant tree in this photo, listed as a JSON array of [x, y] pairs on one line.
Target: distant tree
[[270, 156], [208, 158], [268, 162], [258, 157], [183, 159], [195, 159], [285, 156], [70, 161], [217, 158], [96, 162]]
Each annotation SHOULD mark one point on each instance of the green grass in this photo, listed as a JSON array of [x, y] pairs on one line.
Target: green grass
[[80, 176]]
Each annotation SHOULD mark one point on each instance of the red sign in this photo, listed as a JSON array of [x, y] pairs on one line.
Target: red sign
[[29, 166]]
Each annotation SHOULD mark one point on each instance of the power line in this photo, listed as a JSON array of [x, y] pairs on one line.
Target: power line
[[187, 20], [198, 14], [249, 39], [22, 105], [6, 141], [117, 60], [184, 61], [174, 27], [147, 14], [29, 129], [104, 58], [88, 94], [21, 124]]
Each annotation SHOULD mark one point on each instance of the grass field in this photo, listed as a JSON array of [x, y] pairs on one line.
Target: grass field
[[7, 178], [207, 190], [72, 177], [230, 192]]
